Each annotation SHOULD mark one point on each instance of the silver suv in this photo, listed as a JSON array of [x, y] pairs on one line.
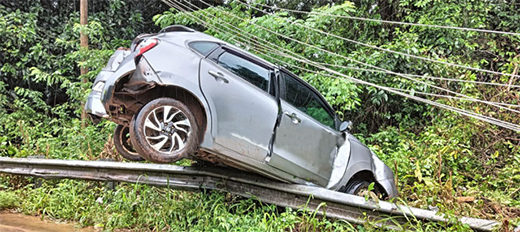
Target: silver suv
[[184, 94]]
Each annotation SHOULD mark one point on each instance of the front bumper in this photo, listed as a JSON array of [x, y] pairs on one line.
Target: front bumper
[[384, 176], [389, 186]]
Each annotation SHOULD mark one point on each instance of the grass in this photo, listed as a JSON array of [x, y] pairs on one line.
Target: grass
[[145, 208]]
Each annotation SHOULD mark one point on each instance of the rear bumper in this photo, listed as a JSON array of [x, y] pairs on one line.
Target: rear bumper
[[94, 107]]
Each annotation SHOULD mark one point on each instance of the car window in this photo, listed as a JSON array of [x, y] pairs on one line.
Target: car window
[[249, 71], [203, 47], [303, 98]]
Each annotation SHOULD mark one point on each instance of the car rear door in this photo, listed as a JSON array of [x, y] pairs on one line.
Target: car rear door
[[305, 143], [244, 112]]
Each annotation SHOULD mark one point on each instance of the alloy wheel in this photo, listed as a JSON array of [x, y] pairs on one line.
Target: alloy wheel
[[167, 129]]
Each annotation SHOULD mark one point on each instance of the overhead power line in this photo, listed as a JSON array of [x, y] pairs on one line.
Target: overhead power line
[[356, 61], [398, 89], [383, 49], [426, 76], [277, 52], [238, 31], [406, 90], [404, 54], [346, 77], [394, 22]]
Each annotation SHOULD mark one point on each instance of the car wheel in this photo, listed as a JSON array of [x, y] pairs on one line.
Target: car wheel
[[164, 131], [356, 186], [123, 145]]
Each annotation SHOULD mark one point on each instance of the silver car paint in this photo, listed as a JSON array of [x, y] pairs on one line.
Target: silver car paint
[[383, 175], [236, 106], [126, 67], [183, 71], [362, 159], [93, 104], [255, 166], [116, 59], [311, 160], [340, 163]]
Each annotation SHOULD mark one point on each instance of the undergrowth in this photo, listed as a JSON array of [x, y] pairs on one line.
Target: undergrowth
[[442, 161], [144, 208]]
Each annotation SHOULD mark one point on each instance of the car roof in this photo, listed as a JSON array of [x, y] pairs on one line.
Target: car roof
[[183, 35]]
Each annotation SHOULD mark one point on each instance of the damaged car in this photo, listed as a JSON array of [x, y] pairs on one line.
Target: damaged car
[[181, 94]]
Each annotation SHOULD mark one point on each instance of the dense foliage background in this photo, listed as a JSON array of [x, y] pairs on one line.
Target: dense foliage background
[[438, 156]]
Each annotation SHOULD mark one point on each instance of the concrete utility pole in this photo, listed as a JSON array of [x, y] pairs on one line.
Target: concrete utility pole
[[83, 14]]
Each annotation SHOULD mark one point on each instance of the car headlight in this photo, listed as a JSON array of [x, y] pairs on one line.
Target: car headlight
[[99, 86]]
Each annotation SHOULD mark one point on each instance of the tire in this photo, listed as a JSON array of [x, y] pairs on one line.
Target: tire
[[356, 186], [123, 145], [164, 131]]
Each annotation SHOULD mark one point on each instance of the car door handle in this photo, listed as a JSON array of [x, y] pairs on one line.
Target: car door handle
[[218, 76], [294, 118]]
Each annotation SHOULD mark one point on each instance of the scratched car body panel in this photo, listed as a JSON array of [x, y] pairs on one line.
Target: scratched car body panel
[[235, 109]]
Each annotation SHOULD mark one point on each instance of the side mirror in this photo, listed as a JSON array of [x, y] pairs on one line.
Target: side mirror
[[345, 126]]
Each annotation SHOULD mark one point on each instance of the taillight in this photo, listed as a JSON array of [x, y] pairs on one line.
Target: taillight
[[146, 46]]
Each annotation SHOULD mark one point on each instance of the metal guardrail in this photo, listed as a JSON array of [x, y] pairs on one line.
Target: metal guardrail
[[333, 204]]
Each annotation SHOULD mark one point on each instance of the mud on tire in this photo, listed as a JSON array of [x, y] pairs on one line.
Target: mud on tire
[[164, 131], [123, 145]]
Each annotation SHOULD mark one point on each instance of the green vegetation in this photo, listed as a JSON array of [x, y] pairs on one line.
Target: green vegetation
[[146, 208], [438, 156]]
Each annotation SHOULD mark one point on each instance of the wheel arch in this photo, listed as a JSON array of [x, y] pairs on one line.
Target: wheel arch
[[367, 175], [361, 165], [190, 99], [152, 90]]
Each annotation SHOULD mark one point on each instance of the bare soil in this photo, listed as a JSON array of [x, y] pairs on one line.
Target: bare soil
[[14, 222]]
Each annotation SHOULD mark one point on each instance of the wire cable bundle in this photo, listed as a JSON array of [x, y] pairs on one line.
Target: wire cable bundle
[[262, 46]]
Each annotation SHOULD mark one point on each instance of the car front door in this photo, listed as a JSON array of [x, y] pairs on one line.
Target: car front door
[[244, 112], [305, 143]]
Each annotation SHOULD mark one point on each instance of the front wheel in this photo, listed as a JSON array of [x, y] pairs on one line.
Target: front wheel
[[356, 187], [164, 131]]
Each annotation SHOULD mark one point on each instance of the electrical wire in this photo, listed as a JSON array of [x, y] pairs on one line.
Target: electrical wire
[[239, 32], [394, 22], [460, 111], [429, 77], [398, 89], [359, 62], [426, 76], [380, 48]]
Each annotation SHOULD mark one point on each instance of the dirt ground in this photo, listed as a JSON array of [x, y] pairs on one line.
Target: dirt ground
[[15, 222]]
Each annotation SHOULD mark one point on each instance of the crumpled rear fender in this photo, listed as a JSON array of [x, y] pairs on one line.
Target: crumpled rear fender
[[126, 67]]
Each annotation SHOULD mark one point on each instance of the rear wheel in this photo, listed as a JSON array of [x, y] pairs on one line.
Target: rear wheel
[[164, 131], [123, 145]]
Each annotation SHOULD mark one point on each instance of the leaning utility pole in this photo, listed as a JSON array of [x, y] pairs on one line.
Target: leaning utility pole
[[83, 14]]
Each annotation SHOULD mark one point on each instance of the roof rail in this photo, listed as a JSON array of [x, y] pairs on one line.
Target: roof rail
[[174, 28]]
